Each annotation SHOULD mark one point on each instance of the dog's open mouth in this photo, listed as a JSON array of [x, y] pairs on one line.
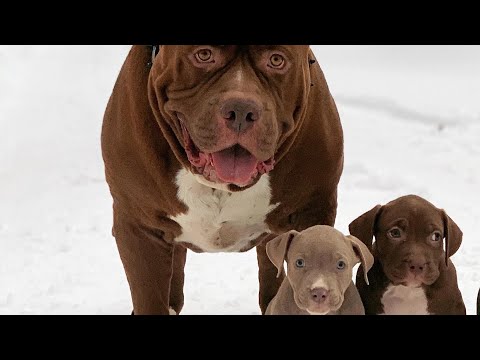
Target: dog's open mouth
[[234, 165]]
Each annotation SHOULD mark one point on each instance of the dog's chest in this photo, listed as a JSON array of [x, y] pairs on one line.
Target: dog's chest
[[218, 220], [404, 300]]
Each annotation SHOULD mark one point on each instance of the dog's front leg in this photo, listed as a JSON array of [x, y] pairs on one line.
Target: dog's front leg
[[178, 278], [147, 259], [267, 275]]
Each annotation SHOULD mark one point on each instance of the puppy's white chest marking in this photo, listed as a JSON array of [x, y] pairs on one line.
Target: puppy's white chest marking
[[218, 220], [404, 300]]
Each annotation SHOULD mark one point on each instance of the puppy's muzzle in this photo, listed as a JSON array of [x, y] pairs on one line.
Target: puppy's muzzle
[[319, 295], [416, 266]]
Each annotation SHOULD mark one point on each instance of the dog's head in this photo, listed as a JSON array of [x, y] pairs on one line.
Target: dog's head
[[228, 109], [410, 234], [320, 260]]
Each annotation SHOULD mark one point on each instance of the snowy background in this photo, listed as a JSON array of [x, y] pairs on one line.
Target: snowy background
[[411, 117]]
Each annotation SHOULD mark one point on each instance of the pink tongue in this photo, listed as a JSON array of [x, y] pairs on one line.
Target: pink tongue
[[234, 165]]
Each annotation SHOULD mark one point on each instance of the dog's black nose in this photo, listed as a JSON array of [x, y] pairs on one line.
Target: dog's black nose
[[240, 113], [319, 295]]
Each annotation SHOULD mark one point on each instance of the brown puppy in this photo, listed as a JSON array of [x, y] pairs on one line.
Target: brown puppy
[[412, 273], [216, 149], [319, 272]]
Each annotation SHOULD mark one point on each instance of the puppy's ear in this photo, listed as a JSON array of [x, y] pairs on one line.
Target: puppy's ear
[[363, 254], [453, 236], [278, 247], [363, 226]]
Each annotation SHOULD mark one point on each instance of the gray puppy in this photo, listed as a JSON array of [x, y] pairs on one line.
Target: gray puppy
[[320, 260]]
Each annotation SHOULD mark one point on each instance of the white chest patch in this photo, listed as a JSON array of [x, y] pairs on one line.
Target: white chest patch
[[218, 220], [404, 300]]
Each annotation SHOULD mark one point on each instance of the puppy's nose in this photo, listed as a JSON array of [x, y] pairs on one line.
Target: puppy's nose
[[240, 114], [319, 295], [417, 267]]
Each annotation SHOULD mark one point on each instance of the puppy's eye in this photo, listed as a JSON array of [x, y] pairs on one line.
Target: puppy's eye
[[277, 61], [436, 236], [300, 263], [341, 265], [204, 55], [395, 233]]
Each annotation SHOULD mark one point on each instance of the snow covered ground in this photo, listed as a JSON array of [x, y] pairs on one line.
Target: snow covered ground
[[411, 117]]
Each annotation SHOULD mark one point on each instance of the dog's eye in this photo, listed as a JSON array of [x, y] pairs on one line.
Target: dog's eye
[[436, 236], [395, 233], [341, 265], [300, 263], [204, 55], [277, 61]]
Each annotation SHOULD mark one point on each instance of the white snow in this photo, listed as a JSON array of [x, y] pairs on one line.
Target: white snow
[[411, 117]]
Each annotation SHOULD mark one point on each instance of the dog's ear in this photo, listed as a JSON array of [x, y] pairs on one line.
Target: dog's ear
[[363, 254], [453, 236], [278, 247], [363, 226]]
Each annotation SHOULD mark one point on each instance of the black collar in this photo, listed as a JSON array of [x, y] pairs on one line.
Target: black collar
[[154, 49]]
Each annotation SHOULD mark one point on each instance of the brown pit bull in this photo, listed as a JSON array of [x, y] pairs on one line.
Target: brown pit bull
[[319, 272], [412, 274], [216, 149]]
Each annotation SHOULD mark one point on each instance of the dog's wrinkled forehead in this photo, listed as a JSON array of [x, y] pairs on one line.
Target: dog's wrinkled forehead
[[412, 211], [278, 74], [292, 51], [195, 62]]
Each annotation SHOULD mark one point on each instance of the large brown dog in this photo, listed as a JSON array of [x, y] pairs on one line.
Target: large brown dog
[[412, 274], [216, 148]]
